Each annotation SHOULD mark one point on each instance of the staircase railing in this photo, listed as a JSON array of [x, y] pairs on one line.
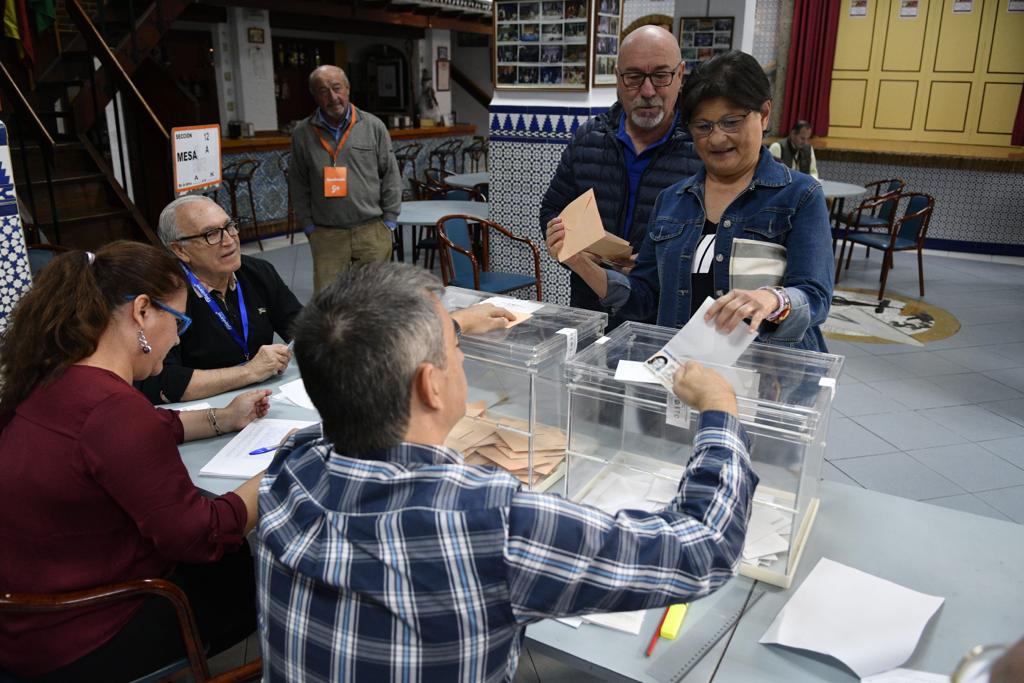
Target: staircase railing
[[145, 158], [27, 125]]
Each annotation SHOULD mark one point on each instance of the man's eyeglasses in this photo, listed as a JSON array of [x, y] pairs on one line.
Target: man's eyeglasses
[[659, 79], [214, 236], [727, 124], [183, 320]]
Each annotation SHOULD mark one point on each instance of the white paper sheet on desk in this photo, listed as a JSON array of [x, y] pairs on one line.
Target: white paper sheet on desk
[[906, 676], [295, 392], [634, 371], [234, 461], [627, 622], [869, 624], [514, 305]]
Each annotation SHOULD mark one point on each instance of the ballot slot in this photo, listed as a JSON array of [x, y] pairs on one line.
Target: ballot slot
[[624, 449]]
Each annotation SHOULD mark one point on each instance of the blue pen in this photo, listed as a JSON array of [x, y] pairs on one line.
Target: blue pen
[[261, 451]]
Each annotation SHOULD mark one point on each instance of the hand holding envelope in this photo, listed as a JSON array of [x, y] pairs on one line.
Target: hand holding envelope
[[585, 232]]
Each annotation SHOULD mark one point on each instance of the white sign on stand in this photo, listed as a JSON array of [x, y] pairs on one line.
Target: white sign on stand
[[195, 156]]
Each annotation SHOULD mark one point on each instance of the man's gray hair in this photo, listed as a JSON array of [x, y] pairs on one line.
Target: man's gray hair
[[167, 228], [324, 68], [360, 343]]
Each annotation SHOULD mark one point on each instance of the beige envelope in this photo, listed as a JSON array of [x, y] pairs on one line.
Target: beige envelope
[[585, 232], [611, 247]]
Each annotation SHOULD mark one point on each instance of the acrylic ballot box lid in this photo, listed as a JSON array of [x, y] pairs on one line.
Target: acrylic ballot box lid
[[549, 333], [620, 430]]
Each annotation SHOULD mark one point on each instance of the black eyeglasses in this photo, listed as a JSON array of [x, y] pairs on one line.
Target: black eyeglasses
[[659, 79], [727, 124], [214, 236]]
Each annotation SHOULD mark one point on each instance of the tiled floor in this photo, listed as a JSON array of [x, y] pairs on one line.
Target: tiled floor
[[943, 424]]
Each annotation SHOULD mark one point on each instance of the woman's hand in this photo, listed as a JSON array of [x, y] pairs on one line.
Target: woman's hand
[[245, 408], [735, 306]]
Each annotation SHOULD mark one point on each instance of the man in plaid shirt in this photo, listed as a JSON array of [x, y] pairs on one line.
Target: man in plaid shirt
[[381, 556]]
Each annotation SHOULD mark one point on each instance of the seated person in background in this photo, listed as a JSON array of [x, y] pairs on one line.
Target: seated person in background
[[94, 491], [795, 152], [399, 561], [236, 303], [718, 233]]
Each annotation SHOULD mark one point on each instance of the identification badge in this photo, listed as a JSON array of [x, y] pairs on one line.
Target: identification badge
[[335, 181]]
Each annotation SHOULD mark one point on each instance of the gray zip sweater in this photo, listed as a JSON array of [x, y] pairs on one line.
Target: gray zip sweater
[[374, 185]]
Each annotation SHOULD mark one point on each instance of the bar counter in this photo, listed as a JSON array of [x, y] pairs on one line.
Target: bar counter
[[273, 140]]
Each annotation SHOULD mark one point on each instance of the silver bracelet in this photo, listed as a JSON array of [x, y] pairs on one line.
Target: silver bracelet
[[211, 416]]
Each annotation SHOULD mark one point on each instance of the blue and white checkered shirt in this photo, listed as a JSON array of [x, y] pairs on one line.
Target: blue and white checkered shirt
[[416, 567]]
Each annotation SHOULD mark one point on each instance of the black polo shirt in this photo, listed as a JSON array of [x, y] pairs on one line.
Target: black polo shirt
[[206, 345]]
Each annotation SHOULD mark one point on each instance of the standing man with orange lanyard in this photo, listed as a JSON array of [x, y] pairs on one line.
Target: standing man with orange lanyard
[[344, 180]]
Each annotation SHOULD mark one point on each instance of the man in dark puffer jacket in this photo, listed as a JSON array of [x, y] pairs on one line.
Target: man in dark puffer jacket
[[630, 153]]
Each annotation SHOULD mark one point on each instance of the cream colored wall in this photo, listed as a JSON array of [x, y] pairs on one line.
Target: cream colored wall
[[937, 77]]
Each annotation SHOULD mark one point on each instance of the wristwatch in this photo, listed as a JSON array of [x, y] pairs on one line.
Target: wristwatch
[[785, 305]]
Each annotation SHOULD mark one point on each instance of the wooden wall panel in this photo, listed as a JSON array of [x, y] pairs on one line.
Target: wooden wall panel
[[854, 40], [947, 106], [1007, 56], [904, 38], [998, 108], [959, 32], [846, 103], [896, 101]]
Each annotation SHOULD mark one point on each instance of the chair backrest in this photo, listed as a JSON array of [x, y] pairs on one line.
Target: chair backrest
[[914, 223], [457, 231], [409, 152], [435, 177], [884, 188], [242, 170], [39, 255]]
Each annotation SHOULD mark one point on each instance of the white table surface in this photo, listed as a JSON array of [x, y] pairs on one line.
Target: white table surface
[[973, 562], [468, 179], [834, 188], [429, 212]]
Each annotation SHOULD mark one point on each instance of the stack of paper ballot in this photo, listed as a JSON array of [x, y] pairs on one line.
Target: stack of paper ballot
[[505, 443], [767, 535]]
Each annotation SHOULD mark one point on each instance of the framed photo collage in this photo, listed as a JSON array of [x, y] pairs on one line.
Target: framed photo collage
[[545, 44], [701, 38]]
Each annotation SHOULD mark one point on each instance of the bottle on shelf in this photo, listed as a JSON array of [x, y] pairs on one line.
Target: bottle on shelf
[[316, 56]]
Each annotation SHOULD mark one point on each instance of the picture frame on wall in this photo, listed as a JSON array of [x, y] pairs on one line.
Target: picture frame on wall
[[701, 38], [542, 44], [607, 34], [443, 77]]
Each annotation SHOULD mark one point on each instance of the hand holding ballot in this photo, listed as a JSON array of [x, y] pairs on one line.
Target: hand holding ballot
[[703, 389], [579, 229], [482, 318]]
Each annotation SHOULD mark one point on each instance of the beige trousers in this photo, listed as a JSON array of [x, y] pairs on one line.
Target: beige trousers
[[336, 249]]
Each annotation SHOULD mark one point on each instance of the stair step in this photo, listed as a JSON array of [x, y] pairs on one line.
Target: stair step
[[61, 83], [83, 55], [66, 180], [72, 221], [50, 113]]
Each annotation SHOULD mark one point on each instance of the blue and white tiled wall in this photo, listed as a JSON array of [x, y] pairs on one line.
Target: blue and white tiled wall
[[15, 277]]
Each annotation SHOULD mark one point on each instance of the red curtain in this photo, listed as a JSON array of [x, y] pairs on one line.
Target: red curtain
[[1017, 138], [809, 72]]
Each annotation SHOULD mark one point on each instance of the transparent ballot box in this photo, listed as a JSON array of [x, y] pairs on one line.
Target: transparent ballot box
[[629, 441], [517, 408]]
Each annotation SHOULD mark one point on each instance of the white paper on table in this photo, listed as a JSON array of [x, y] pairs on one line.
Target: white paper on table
[[634, 371], [295, 392], [870, 624], [575, 622], [514, 305], [234, 460], [627, 622], [664, 488], [193, 406], [620, 492], [906, 676]]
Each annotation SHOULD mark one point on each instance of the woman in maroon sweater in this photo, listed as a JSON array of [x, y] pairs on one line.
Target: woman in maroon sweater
[[93, 488]]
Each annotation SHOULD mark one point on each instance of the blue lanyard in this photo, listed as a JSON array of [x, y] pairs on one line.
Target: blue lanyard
[[243, 339]]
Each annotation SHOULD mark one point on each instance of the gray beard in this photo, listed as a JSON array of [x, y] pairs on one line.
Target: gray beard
[[644, 122]]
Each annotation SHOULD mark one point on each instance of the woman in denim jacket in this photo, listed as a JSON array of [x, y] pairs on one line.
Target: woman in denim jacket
[[746, 230]]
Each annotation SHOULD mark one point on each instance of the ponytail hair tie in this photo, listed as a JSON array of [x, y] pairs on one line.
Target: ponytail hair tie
[[90, 257]]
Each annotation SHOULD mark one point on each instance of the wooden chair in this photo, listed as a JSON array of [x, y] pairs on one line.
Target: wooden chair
[[877, 212], [193, 663], [232, 178], [459, 263], [424, 237], [283, 162], [906, 233]]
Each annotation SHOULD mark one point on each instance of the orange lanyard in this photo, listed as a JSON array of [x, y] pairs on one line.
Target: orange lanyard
[[341, 143]]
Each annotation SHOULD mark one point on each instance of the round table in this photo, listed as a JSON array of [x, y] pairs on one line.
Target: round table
[[468, 179], [429, 212], [839, 191]]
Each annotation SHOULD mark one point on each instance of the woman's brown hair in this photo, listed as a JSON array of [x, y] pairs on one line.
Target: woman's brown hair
[[61, 318]]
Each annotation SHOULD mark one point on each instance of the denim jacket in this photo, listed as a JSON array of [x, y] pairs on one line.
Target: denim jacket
[[779, 206]]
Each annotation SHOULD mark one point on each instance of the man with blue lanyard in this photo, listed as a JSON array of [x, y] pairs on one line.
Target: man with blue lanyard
[[344, 180], [628, 154], [237, 303]]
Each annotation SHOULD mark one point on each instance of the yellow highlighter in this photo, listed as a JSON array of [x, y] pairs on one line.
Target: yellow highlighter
[[673, 621]]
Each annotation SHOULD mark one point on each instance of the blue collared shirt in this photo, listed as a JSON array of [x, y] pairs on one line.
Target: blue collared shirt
[[636, 164], [335, 131], [413, 566]]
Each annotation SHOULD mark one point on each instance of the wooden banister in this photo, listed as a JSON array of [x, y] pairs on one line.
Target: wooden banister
[[119, 77], [28, 114], [467, 84]]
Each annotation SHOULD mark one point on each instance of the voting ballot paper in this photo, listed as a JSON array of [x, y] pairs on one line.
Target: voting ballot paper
[[700, 341]]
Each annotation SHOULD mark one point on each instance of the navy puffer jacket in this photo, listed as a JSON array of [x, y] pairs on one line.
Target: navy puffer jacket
[[595, 159]]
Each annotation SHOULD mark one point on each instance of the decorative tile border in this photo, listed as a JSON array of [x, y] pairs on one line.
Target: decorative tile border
[[538, 124]]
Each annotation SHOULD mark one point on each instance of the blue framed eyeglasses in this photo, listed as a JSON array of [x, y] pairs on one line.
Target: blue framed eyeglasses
[[183, 320]]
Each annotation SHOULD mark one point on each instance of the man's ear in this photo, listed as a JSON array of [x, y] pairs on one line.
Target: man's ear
[[179, 251], [426, 387]]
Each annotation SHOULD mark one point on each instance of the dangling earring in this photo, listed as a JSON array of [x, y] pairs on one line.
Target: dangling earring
[[143, 342]]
